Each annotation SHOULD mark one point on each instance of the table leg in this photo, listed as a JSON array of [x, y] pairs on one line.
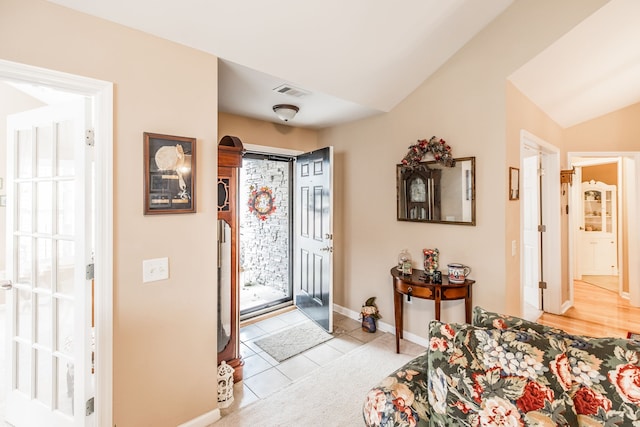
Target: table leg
[[397, 305], [438, 300], [467, 305]]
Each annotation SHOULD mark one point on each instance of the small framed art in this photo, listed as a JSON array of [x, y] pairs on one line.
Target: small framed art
[[169, 174]]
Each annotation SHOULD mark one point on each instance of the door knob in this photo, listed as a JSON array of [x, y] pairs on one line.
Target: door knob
[[6, 285]]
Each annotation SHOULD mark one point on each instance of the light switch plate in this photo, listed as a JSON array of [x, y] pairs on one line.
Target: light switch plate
[[155, 269]]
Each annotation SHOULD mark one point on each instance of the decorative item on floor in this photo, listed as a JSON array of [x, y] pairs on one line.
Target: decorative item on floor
[[404, 262], [369, 314], [438, 147], [261, 202], [225, 385], [458, 273], [430, 261]]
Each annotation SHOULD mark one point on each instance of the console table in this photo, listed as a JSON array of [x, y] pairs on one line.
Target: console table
[[417, 285]]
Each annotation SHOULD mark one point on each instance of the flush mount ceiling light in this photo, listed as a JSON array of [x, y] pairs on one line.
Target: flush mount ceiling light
[[285, 112]]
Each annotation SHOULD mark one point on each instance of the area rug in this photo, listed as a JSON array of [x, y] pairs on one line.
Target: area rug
[[330, 396], [289, 342]]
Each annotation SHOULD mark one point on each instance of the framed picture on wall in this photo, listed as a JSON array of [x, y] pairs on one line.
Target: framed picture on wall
[[514, 183], [169, 174]]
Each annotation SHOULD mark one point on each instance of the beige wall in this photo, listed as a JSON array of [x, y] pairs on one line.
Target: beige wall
[[164, 332], [259, 132], [464, 103]]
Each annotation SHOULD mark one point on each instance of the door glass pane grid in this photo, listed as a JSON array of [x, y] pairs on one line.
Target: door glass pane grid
[[64, 390], [45, 202], [23, 367], [43, 377], [44, 264], [44, 150], [24, 199], [64, 153], [24, 163]]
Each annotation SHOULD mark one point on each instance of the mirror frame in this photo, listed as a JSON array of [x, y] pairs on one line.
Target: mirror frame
[[399, 198]]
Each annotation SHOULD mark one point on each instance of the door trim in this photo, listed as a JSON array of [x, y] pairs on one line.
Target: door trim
[[631, 194], [552, 243], [102, 93]]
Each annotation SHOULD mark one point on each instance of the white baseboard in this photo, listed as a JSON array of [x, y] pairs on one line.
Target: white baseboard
[[564, 307], [204, 420], [383, 326]]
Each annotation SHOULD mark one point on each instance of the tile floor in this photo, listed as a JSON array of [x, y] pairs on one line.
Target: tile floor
[[264, 375]]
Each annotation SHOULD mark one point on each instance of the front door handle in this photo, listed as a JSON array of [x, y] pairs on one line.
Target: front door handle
[[6, 285]]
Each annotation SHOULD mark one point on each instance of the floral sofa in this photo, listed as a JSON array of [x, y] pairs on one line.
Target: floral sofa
[[506, 371]]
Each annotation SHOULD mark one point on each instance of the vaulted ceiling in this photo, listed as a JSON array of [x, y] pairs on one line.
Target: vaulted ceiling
[[347, 60]]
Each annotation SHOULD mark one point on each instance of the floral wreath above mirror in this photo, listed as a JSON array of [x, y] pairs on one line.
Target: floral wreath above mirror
[[261, 202], [438, 147]]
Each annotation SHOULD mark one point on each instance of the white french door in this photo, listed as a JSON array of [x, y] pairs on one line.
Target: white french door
[[49, 245]]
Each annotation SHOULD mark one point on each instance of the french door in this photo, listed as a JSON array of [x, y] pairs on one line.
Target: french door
[[49, 250]]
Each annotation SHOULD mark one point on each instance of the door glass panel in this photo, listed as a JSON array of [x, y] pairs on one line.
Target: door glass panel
[[24, 259], [44, 151], [23, 362], [65, 267], [66, 205], [65, 327], [64, 152], [43, 263], [23, 151], [64, 396], [45, 207], [43, 376], [43, 320], [24, 314], [25, 207]]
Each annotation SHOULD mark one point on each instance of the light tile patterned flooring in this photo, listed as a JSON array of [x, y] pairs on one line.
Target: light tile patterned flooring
[[263, 375]]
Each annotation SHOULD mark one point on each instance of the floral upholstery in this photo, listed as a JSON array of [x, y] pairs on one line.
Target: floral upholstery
[[503, 370], [401, 398], [604, 372], [482, 377]]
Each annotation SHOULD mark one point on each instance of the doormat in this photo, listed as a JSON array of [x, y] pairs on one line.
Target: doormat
[[289, 342]]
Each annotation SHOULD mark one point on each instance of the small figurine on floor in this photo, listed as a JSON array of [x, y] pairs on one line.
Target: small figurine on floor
[[369, 315]]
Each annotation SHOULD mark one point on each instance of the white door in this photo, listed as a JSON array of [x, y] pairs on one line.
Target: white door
[[313, 247], [49, 235], [531, 236]]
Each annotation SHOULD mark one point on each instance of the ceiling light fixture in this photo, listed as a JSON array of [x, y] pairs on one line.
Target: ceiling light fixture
[[285, 112]]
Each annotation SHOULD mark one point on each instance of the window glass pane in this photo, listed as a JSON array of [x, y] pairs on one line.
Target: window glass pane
[[65, 326], [44, 207], [65, 270], [65, 154], [44, 151], [43, 263], [43, 320], [25, 162], [65, 386], [24, 260], [25, 207], [24, 314], [43, 376], [23, 368], [66, 206]]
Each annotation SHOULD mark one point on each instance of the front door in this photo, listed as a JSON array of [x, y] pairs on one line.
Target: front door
[[313, 248], [49, 230]]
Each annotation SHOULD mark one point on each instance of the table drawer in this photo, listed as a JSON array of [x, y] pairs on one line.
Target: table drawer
[[453, 293], [417, 291]]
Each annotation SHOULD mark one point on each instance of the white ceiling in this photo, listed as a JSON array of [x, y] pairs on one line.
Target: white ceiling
[[358, 58]]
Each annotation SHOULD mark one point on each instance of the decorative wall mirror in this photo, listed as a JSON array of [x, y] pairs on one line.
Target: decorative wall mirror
[[432, 192]]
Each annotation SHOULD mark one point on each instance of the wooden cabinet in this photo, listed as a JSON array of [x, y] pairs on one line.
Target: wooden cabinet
[[229, 161], [599, 239]]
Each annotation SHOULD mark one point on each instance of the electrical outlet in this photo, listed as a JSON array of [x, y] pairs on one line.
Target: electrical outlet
[[155, 269]]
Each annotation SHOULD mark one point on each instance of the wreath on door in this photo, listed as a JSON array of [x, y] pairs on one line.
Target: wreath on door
[[261, 202]]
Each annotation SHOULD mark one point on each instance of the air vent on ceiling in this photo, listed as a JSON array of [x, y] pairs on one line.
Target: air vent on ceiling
[[291, 91]]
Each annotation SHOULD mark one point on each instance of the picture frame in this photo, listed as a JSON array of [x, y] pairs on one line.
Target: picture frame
[[169, 174], [514, 183]]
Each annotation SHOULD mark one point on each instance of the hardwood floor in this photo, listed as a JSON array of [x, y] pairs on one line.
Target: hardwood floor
[[597, 312]]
